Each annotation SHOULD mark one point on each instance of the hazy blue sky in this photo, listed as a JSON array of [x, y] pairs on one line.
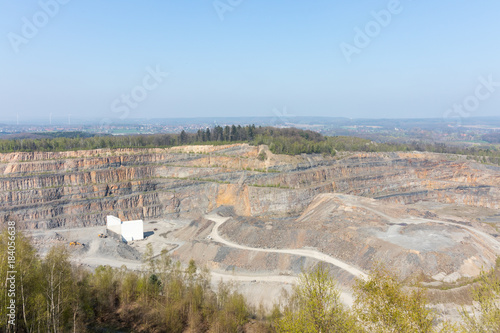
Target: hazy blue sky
[[248, 57]]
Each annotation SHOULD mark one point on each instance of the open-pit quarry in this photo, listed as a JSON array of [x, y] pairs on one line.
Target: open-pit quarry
[[259, 219]]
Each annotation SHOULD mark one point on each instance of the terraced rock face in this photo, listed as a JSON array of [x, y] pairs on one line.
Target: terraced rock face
[[80, 188], [418, 213]]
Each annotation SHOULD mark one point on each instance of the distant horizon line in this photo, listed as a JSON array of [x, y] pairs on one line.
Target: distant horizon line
[[286, 119]]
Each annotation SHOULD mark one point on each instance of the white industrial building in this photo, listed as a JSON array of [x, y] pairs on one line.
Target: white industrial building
[[125, 231]]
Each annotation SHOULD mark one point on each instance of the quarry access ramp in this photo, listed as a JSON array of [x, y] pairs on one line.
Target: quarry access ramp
[[480, 235], [215, 236]]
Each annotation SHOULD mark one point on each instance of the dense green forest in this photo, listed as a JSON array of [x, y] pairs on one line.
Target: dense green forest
[[53, 295], [290, 141], [46, 135]]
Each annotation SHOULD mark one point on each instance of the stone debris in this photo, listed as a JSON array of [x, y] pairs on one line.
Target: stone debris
[[439, 277], [453, 277]]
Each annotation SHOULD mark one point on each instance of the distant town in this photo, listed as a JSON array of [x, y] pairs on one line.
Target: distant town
[[452, 130]]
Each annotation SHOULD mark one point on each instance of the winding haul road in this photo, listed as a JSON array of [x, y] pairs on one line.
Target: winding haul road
[[345, 297], [480, 235], [219, 220]]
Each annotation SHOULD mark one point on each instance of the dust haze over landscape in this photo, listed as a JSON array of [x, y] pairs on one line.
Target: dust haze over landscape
[[240, 166]]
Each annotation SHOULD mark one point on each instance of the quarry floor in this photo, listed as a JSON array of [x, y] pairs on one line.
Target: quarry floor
[[260, 288], [95, 251]]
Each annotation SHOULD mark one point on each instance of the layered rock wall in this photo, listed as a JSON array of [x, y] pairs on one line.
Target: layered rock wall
[[79, 188]]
